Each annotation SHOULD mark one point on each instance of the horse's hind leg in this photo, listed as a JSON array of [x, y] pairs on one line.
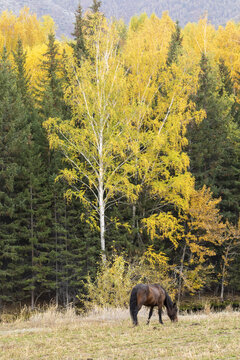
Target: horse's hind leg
[[150, 315], [160, 315], [134, 317]]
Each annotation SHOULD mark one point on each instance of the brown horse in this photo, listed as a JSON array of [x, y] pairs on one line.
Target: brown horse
[[151, 295]]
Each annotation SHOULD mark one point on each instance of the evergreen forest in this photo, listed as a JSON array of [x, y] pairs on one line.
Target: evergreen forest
[[119, 158]]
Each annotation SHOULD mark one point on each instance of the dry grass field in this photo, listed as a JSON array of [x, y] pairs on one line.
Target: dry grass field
[[109, 335]]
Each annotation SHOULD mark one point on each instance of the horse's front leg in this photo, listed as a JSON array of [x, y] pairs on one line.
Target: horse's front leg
[[160, 315], [150, 315]]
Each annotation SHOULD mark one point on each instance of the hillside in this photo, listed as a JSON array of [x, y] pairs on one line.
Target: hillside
[[62, 11]]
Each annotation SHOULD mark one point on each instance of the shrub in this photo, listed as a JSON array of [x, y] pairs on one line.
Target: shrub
[[111, 286], [116, 278]]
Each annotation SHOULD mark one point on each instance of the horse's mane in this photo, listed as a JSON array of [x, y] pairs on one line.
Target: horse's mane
[[168, 302]]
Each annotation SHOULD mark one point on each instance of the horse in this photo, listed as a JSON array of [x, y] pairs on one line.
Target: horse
[[151, 295]]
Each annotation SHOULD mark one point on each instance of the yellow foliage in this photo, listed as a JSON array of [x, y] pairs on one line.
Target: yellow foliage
[[194, 279], [154, 268], [192, 231], [155, 259], [26, 26], [228, 48], [164, 225], [198, 38], [35, 56], [116, 278], [230, 249], [33, 63], [112, 285], [144, 54]]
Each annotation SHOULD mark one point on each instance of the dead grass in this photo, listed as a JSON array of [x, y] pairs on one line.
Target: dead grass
[[109, 335]]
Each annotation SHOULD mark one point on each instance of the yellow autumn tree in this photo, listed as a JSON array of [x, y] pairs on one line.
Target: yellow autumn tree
[[228, 48], [96, 142], [159, 97], [199, 38], [203, 233], [25, 26], [197, 232]]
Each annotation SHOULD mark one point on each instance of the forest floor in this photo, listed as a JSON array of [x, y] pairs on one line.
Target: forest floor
[[110, 335]]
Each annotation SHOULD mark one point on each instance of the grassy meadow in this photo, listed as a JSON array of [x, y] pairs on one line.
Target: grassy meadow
[[110, 335]]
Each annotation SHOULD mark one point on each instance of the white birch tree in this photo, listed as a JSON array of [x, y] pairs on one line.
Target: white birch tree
[[97, 142]]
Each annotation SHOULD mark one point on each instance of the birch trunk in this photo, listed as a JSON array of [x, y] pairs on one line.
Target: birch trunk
[[101, 197], [180, 273], [222, 282]]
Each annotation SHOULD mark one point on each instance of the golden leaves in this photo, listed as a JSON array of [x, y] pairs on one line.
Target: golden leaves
[[25, 26]]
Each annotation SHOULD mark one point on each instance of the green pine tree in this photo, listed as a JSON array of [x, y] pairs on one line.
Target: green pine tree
[[78, 34], [95, 7], [225, 74], [14, 137], [35, 211], [175, 45], [212, 150], [22, 77]]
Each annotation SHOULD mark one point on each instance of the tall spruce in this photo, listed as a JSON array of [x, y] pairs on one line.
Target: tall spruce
[[53, 105], [230, 178], [93, 20], [36, 196], [67, 252], [52, 101], [212, 148], [78, 34], [14, 137], [236, 108], [225, 75], [95, 7], [175, 45], [22, 77]]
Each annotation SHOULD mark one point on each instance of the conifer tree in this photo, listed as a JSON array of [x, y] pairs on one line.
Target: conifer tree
[[22, 77], [206, 140], [36, 210], [66, 241], [79, 45], [225, 75], [14, 137], [230, 187], [211, 144], [95, 8], [175, 45], [52, 94], [93, 20], [52, 104], [236, 107]]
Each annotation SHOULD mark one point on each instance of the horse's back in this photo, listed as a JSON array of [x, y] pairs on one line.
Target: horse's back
[[139, 287], [158, 293], [149, 294]]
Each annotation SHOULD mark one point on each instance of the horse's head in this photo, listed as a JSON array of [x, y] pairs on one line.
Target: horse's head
[[172, 313]]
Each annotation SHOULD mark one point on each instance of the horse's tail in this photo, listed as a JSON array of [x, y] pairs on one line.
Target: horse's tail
[[134, 305]]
